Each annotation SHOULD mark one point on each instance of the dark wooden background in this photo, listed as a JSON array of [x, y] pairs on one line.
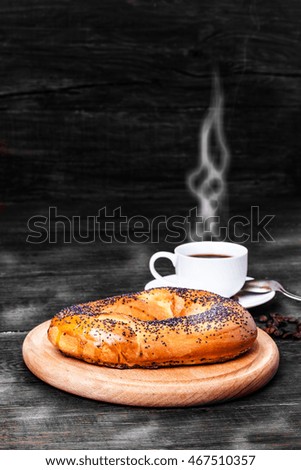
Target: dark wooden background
[[100, 105], [104, 97]]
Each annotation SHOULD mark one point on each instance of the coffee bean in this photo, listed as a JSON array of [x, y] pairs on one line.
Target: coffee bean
[[263, 318], [270, 329], [280, 326]]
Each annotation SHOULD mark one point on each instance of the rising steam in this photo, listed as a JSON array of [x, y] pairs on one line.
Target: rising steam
[[208, 181]]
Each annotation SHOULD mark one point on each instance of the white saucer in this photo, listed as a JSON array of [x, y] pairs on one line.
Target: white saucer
[[247, 300]]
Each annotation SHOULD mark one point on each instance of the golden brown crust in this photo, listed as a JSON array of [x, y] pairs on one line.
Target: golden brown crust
[[154, 328]]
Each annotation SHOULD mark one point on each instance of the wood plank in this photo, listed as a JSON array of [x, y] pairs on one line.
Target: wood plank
[[267, 419], [46, 278], [123, 99]]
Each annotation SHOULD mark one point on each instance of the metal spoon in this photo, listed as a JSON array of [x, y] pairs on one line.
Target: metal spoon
[[264, 286]]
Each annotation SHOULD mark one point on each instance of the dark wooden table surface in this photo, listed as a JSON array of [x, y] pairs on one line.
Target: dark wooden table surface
[[38, 280]]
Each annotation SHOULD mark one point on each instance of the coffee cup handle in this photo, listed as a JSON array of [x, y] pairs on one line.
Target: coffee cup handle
[[160, 254]]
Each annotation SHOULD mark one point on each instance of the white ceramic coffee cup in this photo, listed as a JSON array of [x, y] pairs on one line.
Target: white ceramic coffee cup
[[223, 276]]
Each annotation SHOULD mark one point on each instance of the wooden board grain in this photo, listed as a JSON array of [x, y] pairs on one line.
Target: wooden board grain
[[168, 387]]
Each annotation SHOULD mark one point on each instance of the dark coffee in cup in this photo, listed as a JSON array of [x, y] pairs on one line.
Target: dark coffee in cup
[[209, 255]]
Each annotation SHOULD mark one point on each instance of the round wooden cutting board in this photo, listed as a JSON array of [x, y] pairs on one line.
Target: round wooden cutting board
[[165, 387]]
